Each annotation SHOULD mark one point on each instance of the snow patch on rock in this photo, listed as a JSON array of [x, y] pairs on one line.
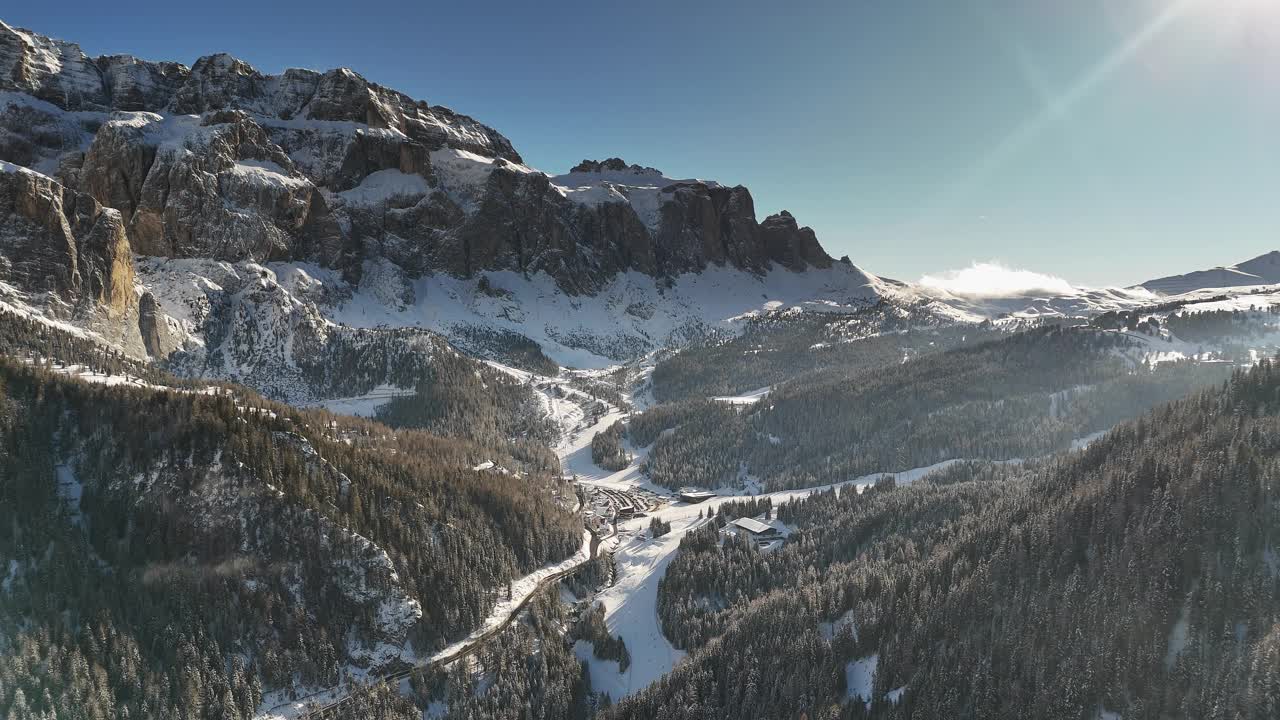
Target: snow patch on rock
[[384, 186]]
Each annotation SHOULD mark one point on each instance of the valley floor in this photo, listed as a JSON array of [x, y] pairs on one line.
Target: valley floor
[[640, 561]]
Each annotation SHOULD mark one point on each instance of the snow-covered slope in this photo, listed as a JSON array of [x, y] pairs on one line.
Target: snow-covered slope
[[1078, 302], [1262, 270], [641, 188], [1242, 283], [633, 314]]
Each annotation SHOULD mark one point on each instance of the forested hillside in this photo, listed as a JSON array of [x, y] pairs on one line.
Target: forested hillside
[[1025, 395], [782, 344], [448, 393], [1137, 577], [179, 553]]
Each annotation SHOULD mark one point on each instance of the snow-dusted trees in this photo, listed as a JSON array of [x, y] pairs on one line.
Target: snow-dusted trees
[[1026, 395], [221, 547], [782, 344], [659, 527], [528, 672], [591, 628], [607, 450], [1138, 576]]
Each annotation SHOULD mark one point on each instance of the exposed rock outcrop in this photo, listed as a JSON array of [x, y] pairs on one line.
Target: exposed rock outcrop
[[133, 84], [705, 224], [62, 243], [612, 165], [49, 69], [154, 328], [104, 253], [790, 245], [222, 189], [40, 251]]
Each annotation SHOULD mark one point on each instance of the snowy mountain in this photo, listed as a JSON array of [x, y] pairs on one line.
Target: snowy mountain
[[1262, 270], [1073, 302], [229, 223], [978, 291], [630, 316]]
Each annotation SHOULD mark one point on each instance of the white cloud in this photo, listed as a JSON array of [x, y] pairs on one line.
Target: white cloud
[[994, 280]]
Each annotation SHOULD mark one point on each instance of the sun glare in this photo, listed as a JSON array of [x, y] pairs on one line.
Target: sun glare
[[1247, 14]]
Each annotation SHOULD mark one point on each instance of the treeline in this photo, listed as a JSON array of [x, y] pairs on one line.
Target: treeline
[[453, 394], [506, 346], [180, 555], [1219, 326], [452, 399], [601, 390], [712, 580], [38, 343], [591, 628], [658, 527], [644, 428], [590, 577], [1136, 577]]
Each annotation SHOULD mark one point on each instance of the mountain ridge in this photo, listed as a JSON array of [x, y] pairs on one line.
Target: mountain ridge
[[228, 224], [283, 149], [1261, 270]]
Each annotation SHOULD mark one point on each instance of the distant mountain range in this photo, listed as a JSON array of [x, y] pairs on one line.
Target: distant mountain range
[[1262, 270]]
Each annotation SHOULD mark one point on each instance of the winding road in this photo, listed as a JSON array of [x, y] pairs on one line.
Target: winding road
[[329, 708], [470, 647]]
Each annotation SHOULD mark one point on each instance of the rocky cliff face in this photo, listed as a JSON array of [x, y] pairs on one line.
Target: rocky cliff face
[[217, 187], [61, 243], [280, 230], [221, 161], [49, 69]]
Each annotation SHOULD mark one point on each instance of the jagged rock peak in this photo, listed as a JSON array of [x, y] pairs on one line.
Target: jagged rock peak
[[60, 73], [51, 70], [613, 165], [791, 245]]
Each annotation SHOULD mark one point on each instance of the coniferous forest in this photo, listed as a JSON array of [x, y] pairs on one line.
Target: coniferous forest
[[1020, 396], [179, 554], [1137, 577], [177, 549]]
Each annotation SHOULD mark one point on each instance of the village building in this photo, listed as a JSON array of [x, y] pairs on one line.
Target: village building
[[695, 496], [756, 530]]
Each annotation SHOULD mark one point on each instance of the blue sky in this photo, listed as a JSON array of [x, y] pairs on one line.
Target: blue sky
[[1104, 141]]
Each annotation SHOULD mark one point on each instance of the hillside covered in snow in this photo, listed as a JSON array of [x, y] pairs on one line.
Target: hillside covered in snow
[[1262, 270]]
